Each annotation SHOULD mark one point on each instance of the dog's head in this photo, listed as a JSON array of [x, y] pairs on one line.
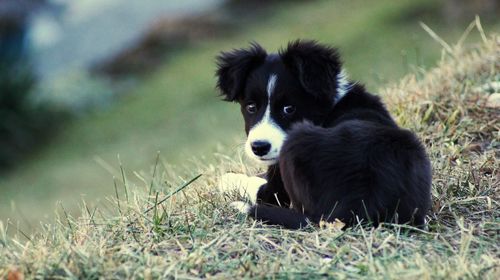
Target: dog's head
[[301, 82]]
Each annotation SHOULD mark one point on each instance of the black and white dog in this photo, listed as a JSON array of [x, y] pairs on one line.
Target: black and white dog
[[332, 149]]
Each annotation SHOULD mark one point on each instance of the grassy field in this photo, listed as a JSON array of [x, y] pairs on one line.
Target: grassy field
[[159, 224], [176, 109]]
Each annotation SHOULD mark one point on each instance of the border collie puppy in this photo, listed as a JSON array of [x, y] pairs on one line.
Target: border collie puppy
[[332, 149]]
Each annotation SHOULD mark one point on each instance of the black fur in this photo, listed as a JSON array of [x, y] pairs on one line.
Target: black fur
[[234, 67], [315, 66], [346, 160]]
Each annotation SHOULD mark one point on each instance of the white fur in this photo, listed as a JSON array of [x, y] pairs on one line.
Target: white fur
[[246, 186], [267, 130], [241, 206], [343, 85], [271, 84]]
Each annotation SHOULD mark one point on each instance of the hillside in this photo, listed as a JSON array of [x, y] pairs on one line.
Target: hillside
[[159, 226], [380, 43]]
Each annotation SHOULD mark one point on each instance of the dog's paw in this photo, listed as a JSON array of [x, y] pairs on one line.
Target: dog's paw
[[241, 206], [243, 184], [231, 181]]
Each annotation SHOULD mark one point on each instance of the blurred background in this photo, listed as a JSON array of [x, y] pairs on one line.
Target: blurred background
[[87, 84]]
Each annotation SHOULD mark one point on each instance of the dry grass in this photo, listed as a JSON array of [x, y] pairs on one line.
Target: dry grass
[[194, 234]]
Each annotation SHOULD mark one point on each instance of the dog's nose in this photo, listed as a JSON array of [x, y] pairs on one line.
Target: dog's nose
[[261, 148]]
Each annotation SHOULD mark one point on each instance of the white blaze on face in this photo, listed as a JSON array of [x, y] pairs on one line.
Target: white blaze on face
[[266, 130]]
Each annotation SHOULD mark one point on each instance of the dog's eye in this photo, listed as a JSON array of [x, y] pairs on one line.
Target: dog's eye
[[288, 110], [251, 108]]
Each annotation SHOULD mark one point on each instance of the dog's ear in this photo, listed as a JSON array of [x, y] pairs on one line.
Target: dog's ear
[[234, 68], [315, 65]]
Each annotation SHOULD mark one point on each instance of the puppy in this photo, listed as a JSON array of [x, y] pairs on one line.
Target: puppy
[[331, 148]]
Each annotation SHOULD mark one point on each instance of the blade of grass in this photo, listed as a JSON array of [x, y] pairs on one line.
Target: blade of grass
[[117, 197], [68, 220], [154, 175], [436, 38], [124, 179], [174, 192], [481, 30]]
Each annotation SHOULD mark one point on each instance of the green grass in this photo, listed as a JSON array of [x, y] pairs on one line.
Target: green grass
[[176, 109], [167, 223]]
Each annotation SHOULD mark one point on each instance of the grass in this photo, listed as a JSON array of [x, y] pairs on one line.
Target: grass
[[381, 42], [169, 223]]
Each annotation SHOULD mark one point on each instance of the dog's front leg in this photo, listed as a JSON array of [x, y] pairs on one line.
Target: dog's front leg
[[256, 189], [274, 191], [245, 186]]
